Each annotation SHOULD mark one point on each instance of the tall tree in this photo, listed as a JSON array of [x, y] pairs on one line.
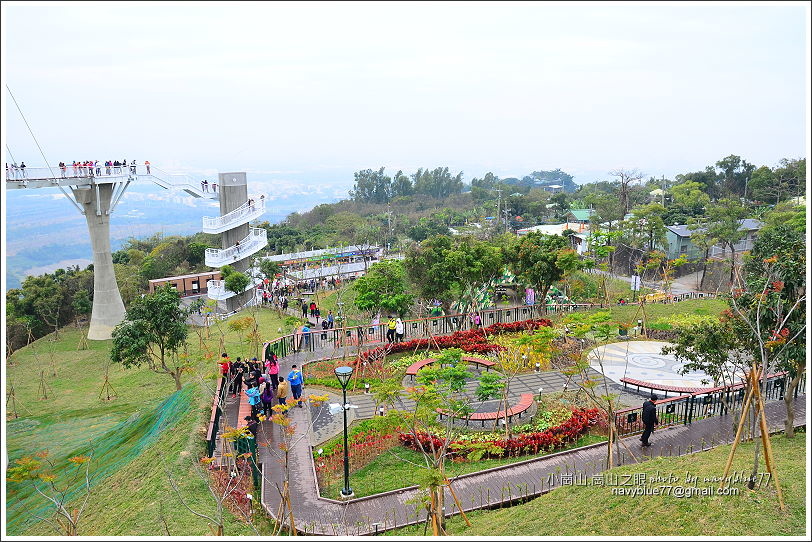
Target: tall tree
[[153, 330], [724, 225], [626, 177], [540, 260], [735, 174], [384, 288]]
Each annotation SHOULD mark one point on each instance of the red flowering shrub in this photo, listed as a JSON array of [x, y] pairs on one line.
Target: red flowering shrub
[[472, 340], [523, 443]]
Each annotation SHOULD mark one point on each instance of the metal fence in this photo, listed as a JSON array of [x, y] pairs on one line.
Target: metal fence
[[688, 408], [216, 416]]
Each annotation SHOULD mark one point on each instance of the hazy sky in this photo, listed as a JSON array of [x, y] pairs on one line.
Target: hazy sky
[[313, 92]]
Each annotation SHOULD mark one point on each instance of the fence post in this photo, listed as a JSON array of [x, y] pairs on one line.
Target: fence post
[[690, 410]]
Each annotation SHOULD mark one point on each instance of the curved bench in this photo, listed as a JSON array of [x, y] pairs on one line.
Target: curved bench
[[415, 367], [682, 390], [526, 400]]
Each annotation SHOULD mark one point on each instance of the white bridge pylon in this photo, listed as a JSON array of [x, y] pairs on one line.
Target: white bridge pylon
[[95, 193]]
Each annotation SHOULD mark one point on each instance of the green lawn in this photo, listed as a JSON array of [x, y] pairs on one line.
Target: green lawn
[[134, 435], [594, 511], [403, 467]]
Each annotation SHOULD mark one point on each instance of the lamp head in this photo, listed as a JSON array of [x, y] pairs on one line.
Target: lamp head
[[343, 374]]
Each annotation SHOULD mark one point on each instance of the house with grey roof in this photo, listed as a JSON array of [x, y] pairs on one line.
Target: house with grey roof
[[679, 241]]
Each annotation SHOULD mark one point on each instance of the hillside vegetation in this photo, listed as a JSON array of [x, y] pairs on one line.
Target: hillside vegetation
[[133, 437], [594, 511]]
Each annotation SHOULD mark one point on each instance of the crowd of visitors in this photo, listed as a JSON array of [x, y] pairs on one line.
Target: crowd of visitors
[[261, 385], [84, 168]]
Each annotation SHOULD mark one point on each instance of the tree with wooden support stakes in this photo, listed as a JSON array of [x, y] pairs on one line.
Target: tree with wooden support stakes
[[772, 322], [439, 387]]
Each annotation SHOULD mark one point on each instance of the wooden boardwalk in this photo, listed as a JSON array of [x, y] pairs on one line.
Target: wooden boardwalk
[[318, 516]]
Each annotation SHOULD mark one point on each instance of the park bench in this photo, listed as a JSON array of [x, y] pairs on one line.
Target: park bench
[[681, 390], [526, 400]]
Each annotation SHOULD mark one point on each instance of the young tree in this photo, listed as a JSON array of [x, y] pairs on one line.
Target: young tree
[[153, 330], [724, 226], [82, 306], [58, 492], [237, 282], [440, 387]]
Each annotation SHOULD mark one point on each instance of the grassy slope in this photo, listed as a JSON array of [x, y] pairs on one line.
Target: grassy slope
[[592, 510], [74, 414]]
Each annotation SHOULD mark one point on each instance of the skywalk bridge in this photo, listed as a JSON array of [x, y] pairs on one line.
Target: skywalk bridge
[[96, 191]]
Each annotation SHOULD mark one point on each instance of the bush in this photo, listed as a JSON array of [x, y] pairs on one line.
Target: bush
[[526, 443]]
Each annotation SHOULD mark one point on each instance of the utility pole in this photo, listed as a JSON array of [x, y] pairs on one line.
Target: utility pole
[[663, 180], [389, 224], [498, 204]]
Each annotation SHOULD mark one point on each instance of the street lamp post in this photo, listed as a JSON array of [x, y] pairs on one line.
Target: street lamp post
[[344, 374]]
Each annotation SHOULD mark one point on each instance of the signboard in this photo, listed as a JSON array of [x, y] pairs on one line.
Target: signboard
[[636, 283]]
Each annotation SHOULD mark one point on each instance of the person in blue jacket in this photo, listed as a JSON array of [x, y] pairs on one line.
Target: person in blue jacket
[[253, 398], [296, 380]]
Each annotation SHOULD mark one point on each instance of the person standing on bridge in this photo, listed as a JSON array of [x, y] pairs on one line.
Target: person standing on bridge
[[649, 419], [146, 163], [22, 168], [214, 187], [400, 329], [296, 382], [98, 167]]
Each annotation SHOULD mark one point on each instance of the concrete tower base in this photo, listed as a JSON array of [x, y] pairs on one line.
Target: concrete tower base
[[108, 308]]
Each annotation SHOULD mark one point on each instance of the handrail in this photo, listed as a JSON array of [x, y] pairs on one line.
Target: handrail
[[246, 209], [216, 288]]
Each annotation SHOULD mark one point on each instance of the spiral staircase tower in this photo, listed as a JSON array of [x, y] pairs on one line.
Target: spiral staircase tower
[[235, 214]]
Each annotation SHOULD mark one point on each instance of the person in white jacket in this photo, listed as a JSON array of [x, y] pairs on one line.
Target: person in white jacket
[[400, 329]]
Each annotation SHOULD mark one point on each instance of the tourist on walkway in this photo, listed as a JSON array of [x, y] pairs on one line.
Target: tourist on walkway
[[390, 331], [204, 185], [22, 168], [225, 365], [251, 425], [306, 333], [267, 398], [146, 163], [330, 319], [400, 329], [282, 392], [214, 187], [272, 369], [312, 308], [237, 369], [296, 382], [649, 419], [253, 397], [304, 309], [98, 167]]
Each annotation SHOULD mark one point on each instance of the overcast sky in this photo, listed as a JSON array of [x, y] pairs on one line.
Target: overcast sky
[[313, 92]]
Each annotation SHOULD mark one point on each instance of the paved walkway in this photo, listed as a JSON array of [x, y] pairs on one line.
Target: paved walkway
[[320, 516]]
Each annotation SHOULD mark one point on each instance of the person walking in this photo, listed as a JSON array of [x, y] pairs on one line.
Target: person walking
[[251, 425], [204, 185], [304, 309], [330, 319], [296, 380], [253, 397], [390, 329], [146, 163], [22, 168], [272, 368], [282, 392], [400, 329], [306, 334], [237, 369], [267, 398], [649, 419], [214, 187], [98, 167], [312, 308]]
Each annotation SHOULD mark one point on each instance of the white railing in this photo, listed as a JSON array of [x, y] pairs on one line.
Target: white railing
[[217, 289], [246, 212], [256, 240], [255, 300]]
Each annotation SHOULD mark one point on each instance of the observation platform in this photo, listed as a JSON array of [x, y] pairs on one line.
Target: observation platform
[[85, 177]]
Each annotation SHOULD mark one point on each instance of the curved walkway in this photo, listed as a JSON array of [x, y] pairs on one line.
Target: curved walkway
[[319, 516]]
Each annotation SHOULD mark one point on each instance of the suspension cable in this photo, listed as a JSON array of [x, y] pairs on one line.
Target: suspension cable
[[30, 131]]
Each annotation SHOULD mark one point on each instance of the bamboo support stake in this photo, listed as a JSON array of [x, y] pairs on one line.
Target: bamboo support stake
[[737, 438], [457, 501], [768, 448]]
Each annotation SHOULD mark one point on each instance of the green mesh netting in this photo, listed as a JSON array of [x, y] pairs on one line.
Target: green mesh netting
[[111, 449]]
